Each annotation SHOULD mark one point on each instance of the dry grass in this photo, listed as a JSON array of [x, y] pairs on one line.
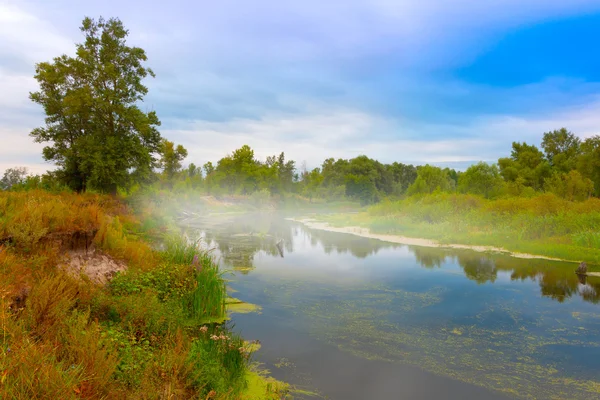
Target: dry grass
[[69, 338]]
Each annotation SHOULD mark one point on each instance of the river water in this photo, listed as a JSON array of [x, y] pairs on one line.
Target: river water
[[355, 318]]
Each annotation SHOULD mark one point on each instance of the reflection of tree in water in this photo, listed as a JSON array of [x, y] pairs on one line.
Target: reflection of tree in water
[[478, 268], [589, 289], [429, 257], [557, 281], [239, 238], [359, 247]]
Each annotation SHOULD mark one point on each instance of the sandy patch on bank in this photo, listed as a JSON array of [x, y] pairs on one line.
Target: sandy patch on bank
[[99, 267], [366, 233]]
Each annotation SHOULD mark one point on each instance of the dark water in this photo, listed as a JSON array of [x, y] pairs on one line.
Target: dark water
[[356, 318]]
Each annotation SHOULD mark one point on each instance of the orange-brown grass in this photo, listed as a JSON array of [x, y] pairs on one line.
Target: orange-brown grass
[[112, 239], [30, 215], [67, 338]]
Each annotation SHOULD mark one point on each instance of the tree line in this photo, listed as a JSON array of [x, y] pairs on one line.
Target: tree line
[[565, 165], [100, 140]]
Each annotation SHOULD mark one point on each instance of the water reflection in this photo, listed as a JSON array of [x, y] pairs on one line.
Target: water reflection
[[239, 238]]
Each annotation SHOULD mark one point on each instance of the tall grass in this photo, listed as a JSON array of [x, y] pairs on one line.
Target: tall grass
[[179, 249], [140, 336], [220, 362], [545, 225], [207, 300]]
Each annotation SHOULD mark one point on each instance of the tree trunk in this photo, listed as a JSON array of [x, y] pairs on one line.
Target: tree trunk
[[112, 189]]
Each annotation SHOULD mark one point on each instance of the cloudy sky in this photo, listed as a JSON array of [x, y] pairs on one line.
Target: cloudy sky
[[449, 82]]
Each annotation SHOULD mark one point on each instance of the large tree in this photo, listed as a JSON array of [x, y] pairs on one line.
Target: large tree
[[562, 149], [98, 135], [526, 164]]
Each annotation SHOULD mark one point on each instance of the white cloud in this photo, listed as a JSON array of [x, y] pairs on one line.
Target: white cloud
[[26, 36], [188, 39], [342, 133], [18, 149], [346, 133]]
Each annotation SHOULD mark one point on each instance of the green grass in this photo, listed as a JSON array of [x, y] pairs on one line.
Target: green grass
[[544, 225], [145, 333]]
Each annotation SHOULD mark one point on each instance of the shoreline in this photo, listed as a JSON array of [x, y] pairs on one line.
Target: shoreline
[[422, 242]]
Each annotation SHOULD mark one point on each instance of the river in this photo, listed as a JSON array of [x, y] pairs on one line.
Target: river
[[356, 318]]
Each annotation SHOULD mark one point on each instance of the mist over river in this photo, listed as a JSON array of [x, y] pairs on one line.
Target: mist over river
[[357, 318]]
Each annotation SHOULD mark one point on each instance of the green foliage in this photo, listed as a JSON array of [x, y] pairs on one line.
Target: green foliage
[[48, 182], [134, 355], [431, 179], [261, 198], [207, 301], [179, 250], [571, 186], [527, 164], [218, 360], [562, 149], [361, 188], [99, 137], [171, 158], [137, 336], [167, 281], [544, 224], [588, 163], [481, 179], [589, 239], [403, 176]]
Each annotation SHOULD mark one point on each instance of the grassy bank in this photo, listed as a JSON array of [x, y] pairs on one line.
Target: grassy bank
[[155, 330], [545, 225]]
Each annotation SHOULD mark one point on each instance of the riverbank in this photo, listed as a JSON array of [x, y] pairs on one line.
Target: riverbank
[[91, 309], [366, 233], [542, 227]]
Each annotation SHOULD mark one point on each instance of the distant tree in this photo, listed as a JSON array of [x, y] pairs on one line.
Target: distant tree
[[194, 171], [430, 179], [403, 176], [286, 172], [13, 176], [334, 172], [208, 168], [588, 163], [452, 174], [482, 179], [171, 158], [527, 164], [312, 182], [571, 186], [562, 149], [99, 136], [241, 173], [361, 188]]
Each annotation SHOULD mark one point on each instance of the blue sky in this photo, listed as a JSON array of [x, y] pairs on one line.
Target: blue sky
[[449, 82]]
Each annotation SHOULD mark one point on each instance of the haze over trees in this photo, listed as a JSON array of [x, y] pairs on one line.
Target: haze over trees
[[101, 140], [12, 177], [565, 166]]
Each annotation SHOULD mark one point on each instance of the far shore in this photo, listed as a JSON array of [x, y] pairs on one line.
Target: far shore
[[366, 233]]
